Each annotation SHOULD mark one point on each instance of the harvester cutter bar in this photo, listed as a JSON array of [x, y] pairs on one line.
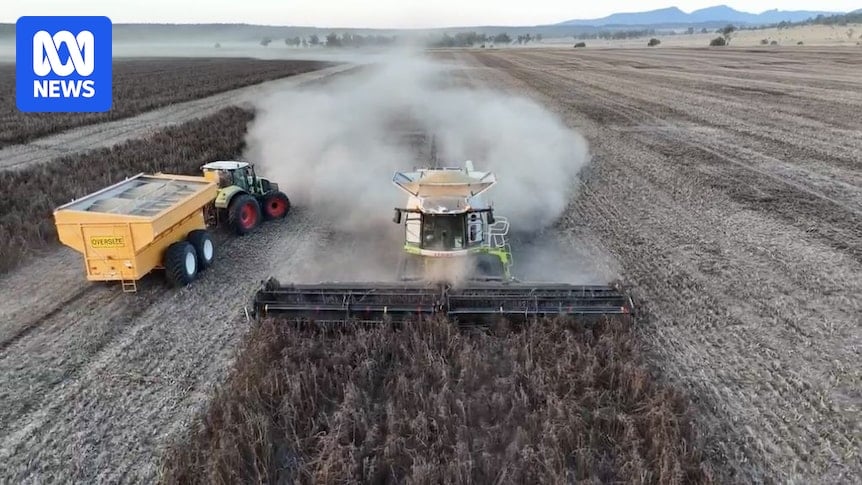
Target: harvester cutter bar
[[334, 301], [475, 302], [536, 300]]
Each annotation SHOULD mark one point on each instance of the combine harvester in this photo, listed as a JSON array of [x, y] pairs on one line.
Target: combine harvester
[[456, 263]]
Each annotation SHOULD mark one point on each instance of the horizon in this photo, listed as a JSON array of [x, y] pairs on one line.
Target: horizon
[[343, 14]]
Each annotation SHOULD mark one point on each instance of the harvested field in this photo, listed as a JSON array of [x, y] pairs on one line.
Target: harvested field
[[728, 185], [553, 403], [30, 195], [141, 85]]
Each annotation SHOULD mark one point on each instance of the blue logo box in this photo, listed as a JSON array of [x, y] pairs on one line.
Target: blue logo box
[[63, 64]]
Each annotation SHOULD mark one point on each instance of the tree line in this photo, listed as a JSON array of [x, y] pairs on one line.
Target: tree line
[[473, 39], [335, 40], [841, 20], [616, 34]]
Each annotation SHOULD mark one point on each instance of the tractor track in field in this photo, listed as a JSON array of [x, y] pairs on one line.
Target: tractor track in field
[[32, 324], [736, 215]]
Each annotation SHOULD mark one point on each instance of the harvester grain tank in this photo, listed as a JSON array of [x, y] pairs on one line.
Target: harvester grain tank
[[456, 262]]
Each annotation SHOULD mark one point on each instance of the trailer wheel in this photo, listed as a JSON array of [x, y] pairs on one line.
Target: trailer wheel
[[204, 247], [276, 205], [244, 214], [181, 263]]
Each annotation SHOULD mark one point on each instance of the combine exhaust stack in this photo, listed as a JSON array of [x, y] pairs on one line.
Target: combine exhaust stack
[[473, 304]]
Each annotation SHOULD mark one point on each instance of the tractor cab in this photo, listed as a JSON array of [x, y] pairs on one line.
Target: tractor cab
[[239, 174]]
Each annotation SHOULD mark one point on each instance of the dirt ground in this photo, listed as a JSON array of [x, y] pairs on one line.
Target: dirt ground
[[728, 185]]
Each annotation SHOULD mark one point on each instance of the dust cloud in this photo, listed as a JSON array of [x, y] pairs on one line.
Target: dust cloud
[[334, 147]]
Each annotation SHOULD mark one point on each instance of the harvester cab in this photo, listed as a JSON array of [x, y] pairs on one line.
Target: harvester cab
[[446, 224], [244, 199], [450, 232]]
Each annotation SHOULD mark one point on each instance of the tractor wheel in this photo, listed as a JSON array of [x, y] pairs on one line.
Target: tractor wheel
[[204, 247], [181, 263], [244, 214], [276, 205]]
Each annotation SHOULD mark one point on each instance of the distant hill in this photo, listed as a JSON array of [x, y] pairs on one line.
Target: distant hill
[[717, 14]]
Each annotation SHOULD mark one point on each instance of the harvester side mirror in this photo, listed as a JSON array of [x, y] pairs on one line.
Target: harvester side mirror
[[490, 217], [397, 217]]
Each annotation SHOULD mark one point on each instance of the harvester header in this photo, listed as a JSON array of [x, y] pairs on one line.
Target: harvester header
[[474, 304]]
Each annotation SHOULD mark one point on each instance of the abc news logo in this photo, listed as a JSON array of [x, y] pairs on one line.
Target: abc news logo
[[65, 62], [46, 59]]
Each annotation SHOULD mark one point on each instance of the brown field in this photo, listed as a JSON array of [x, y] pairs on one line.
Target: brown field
[[431, 404], [141, 85], [725, 182]]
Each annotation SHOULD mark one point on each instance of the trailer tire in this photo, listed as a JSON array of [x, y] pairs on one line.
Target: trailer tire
[[204, 247], [244, 214], [181, 263], [276, 205]]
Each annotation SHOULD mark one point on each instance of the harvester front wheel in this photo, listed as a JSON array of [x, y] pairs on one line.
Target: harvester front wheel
[[244, 214], [204, 247], [276, 205], [181, 263]]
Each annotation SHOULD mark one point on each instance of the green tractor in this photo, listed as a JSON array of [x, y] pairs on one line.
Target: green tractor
[[244, 199]]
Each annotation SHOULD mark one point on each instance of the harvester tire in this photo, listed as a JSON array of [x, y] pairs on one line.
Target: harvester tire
[[244, 214], [181, 263], [276, 205], [204, 247]]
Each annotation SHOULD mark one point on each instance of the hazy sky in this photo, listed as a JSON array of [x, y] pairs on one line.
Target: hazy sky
[[380, 13]]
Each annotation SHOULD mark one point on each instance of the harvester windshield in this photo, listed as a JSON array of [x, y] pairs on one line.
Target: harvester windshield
[[443, 232]]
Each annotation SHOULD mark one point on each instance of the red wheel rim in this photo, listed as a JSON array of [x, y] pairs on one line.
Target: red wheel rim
[[248, 216], [277, 207]]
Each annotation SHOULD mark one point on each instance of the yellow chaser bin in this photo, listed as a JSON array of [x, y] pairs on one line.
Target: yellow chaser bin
[[143, 223]]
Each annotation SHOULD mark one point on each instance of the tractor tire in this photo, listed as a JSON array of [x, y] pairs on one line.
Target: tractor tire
[[181, 263], [204, 247], [244, 214], [276, 205]]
